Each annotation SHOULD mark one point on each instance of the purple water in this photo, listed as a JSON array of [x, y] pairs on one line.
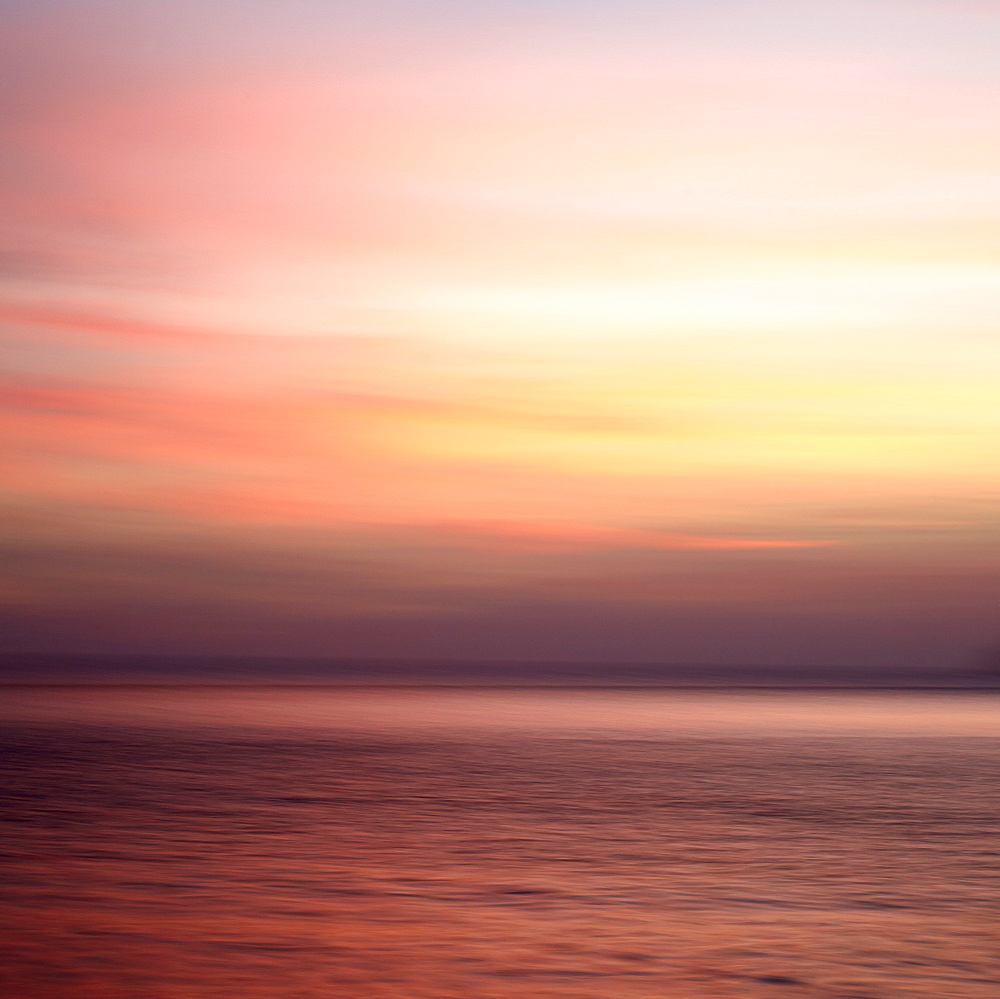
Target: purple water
[[290, 842]]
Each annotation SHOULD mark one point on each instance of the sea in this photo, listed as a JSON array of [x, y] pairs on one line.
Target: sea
[[222, 839]]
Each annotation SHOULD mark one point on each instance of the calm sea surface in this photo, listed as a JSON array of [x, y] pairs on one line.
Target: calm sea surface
[[488, 844]]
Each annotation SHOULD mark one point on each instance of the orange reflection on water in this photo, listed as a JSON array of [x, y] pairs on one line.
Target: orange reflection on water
[[494, 844], [645, 712]]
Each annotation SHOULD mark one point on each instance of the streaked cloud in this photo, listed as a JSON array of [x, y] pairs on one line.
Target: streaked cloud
[[350, 314]]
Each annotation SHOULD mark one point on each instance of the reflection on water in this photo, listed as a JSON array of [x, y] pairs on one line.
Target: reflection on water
[[581, 844], [605, 711]]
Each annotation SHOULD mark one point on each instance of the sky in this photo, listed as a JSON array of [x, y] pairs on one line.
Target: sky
[[525, 330]]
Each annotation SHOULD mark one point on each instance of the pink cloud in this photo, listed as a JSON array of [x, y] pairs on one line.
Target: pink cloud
[[558, 536]]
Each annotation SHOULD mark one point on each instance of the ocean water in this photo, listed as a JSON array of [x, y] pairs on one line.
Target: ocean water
[[297, 843]]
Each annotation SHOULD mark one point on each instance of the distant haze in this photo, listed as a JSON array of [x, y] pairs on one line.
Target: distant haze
[[279, 671]]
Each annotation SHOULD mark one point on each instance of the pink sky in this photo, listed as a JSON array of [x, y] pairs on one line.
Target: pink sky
[[572, 331]]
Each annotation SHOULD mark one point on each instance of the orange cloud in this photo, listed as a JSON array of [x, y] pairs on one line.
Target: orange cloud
[[558, 536]]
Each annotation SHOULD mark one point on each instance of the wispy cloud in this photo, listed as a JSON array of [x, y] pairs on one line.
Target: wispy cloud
[[370, 312]]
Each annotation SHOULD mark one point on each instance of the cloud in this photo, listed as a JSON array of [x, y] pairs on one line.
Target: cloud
[[324, 316], [560, 536]]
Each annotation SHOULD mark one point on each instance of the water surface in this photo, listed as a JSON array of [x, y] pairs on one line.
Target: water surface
[[586, 844]]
